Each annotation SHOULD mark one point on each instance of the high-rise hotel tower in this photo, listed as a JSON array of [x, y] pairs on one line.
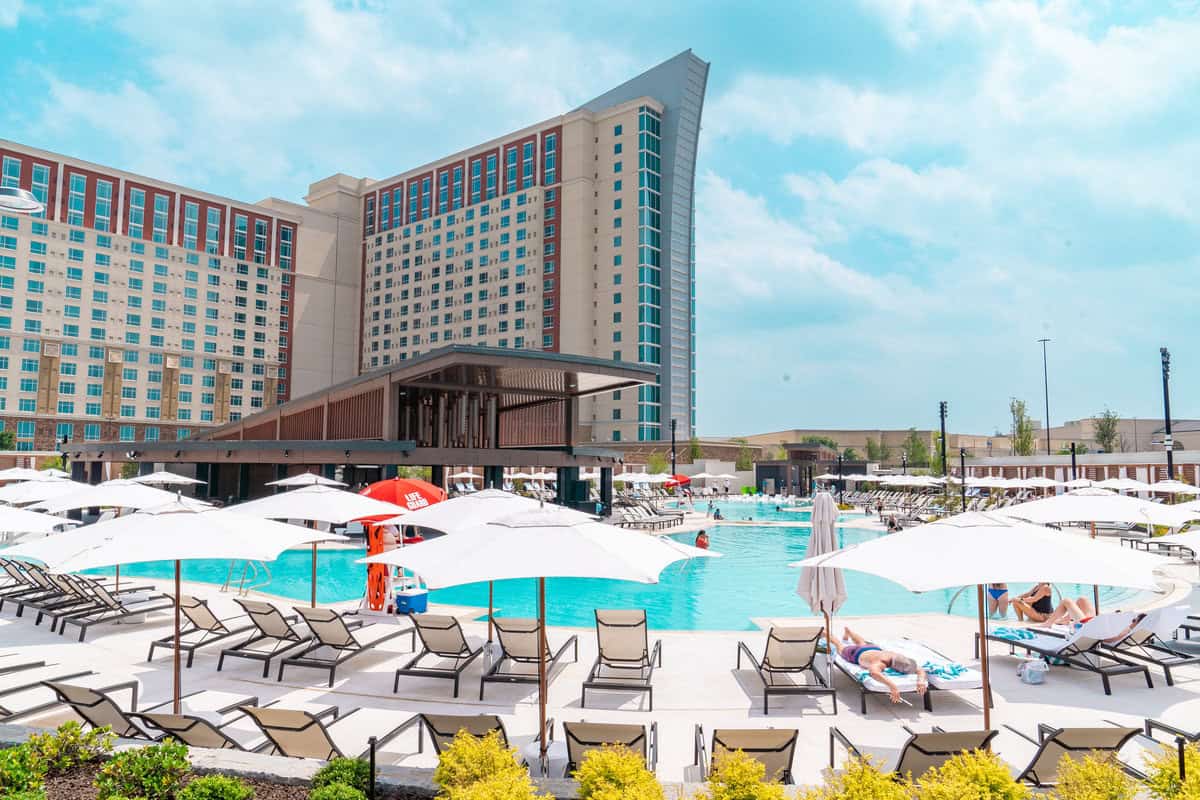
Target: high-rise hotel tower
[[135, 309]]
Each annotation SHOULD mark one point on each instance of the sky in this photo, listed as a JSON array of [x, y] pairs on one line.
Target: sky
[[895, 198]]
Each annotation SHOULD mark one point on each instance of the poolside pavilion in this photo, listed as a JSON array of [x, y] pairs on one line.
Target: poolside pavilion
[[458, 405]]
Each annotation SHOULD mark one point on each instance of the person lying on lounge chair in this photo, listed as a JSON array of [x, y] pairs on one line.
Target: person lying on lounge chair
[[857, 650]]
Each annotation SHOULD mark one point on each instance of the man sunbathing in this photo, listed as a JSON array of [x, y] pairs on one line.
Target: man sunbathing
[[857, 650]]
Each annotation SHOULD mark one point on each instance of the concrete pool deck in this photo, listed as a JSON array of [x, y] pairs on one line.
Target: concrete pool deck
[[698, 683]]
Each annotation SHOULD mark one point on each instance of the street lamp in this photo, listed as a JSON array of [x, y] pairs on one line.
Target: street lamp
[[962, 467], [942, 415], [904, 462], [1046, 385], [20, 201], [1168, 441], [841, 484], [673, 423]]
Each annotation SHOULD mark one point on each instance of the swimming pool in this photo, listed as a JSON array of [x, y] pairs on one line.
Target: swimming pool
[[752, 579]]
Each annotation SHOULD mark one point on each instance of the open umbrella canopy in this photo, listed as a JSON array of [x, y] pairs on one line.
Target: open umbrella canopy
[[55, 473], [167, 532], [409, 493], [1039, 482], [541, 543], [1173, 487], [470, 511], [631, 477], [318, 504], [982, 548], [18, 494], [1078, 483], [465, 475], [18, 520], [1076, 507], [677, 480], [23, 474], [828, 476], [305, 479], [702, 475], [520, 476], [823, 589], [1124, 485], [113, 494], [162, 478]]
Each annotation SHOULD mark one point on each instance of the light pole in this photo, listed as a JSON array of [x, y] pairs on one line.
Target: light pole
[[841, 485], [1074, 471], [904, 462], [962, 466], [942, 415], [1168, 441], [673, 423], [1046, 386]]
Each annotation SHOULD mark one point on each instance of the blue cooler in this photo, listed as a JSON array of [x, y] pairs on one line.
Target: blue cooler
[[412, 601]]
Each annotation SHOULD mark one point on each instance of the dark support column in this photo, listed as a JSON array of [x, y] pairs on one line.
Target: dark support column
[[243, 485], [493, 477], [214, 481], [437, 475], [280, 474], [145, 467], [97, 472], [204, 473], [567, 478], [328, 471], [79, 471], [390, 471], [606, 489]]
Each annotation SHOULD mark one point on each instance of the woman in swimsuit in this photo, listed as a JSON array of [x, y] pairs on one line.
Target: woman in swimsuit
[[857, 650], [997, 599], [1036, 604]]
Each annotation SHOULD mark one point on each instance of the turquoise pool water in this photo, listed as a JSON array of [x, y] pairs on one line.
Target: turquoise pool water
[[750, 580]]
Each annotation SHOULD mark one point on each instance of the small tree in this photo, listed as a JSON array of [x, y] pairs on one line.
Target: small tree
[[414, 473], [1107, 426], [694, 448], [129, 470], [745, 457], [52, 463], [872, 449], [8, 440], [822, 440], [1022, 428], [916, 449], [935, 458], [851, 454], [656, 462]]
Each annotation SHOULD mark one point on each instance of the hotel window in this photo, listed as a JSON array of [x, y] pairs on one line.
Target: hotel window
[[443, 192], [491, 176], [260, 241], [75, 199], [136, 216], [212, 231], [41, 186], [286, 234], [385, 211], [369, 217], [527, 165], [458, 188], [510, 169], [425, 197], [12, 173], [162, 205], [412, 202], [550, 159], [240, 224], [476, 170], [103, 206], [191, 224]]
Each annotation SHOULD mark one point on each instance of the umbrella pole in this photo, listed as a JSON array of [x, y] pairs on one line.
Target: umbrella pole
[[313, 603], [1095, 588], [178, 677], [117, 585], [830, 646], [491, 608], [543, 739], [983, 660]]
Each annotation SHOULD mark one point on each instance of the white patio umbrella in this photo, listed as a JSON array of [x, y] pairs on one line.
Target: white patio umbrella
[[547, 542], [1080, 507], [22, 474], [20, 521], [1078, 483], [54, 472], [823, 588], [465, 475], [163, 478], [193, 534], [18, 494], [317, 504], [828, 476], [305, 479], [1040, 482], [699, 476], [1173, 487], [981, 548], [112, 494], [726, 476], [1124, 485], [521, 476]]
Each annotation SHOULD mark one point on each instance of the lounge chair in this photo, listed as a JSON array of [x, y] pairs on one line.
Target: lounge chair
[[114, 608], [79, 596], [98, 709], [31, 676], [789, 653], [199, 730], [300, 734], [774, 748], [519, 645], [922, 751], [1083, 648], [625, 661], [203, 629], [335, 643], [442, 728], [868, 685], [60, 598], [441, 637], [1153, 640], [584, 737], [275, 635], [1054, 744]]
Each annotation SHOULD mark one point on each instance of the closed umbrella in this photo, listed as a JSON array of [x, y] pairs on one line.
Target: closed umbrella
[[316, 504], [195, 533], [981, 548], [823, 588], [305, 479], [163, 478], [547, 542]]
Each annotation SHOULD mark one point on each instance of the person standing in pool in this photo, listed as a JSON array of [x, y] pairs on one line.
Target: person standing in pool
[[997, 599], [702, 540]]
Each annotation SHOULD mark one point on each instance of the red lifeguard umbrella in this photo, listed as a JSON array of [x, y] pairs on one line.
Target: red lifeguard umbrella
[[410, 493], [677, 480]]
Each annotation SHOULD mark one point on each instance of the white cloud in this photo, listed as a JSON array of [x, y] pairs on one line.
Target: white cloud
[[10, 13]]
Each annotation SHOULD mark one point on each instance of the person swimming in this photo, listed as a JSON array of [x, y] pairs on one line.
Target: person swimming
[[860, 652], [702, 540]]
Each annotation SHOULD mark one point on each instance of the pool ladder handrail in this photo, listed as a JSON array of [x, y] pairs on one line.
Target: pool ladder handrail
[[248, 566]]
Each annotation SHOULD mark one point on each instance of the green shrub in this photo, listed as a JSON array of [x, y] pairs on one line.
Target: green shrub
[[1093, 777], [216, 787], [502, 786], [616, 773], [28, 794], [737, 776], [352, 772], [336, 791], [152, 772], [470, 759], [980, 775], [1163, 774], [860, 779], [20, 770], [70, 746]]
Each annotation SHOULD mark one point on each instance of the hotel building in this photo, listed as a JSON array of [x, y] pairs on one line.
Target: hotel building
[[133, 309]]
